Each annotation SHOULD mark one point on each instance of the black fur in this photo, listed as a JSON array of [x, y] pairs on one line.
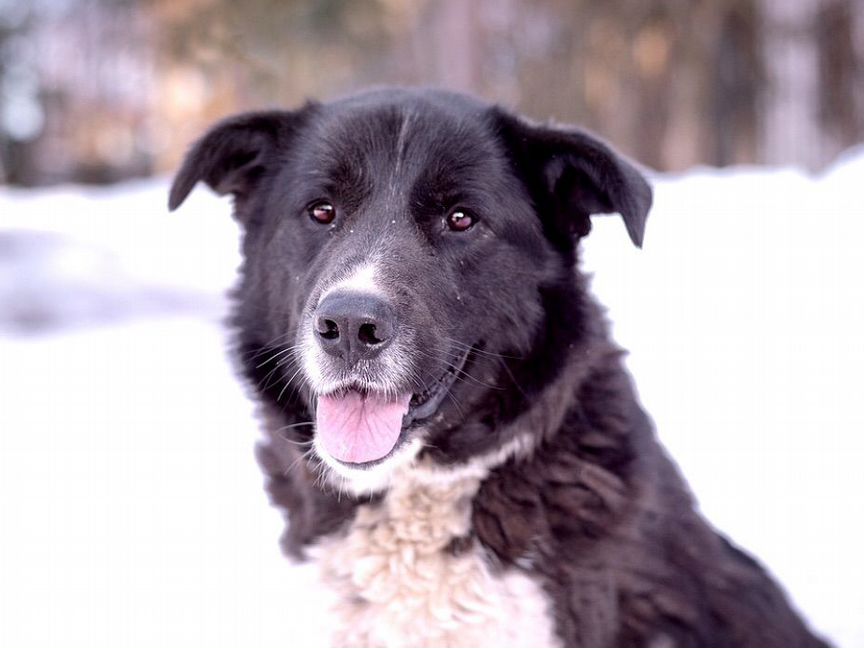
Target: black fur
[[602, 513]]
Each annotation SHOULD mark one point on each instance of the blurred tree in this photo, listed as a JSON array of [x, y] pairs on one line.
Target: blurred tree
[[675, 82], [273, 50], [125, 85], [19, 112], [218, 56], [841, 73]]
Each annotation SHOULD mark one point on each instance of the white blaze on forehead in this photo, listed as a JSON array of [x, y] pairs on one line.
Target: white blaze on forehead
[[360, 279]]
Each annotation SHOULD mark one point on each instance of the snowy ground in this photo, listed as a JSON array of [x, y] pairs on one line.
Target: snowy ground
[[131, 509]]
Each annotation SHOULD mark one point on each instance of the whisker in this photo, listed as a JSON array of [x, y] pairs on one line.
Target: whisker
[[481, 351], [288, 383], [281, 352], [457, 370], [293, 426], [270, 373], [264, 348], [296, 461]]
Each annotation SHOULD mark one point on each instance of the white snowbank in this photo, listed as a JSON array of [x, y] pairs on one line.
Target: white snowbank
[[744, 315], [131, 508]]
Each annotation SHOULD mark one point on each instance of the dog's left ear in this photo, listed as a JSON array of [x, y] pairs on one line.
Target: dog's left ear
[[575, 175]]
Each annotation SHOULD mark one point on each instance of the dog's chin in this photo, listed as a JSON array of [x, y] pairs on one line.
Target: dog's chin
[[371, 476]]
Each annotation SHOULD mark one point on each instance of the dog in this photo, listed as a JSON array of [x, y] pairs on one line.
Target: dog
[[449, 427]]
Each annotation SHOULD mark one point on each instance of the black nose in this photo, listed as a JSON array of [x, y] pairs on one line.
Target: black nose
[[354, 326]]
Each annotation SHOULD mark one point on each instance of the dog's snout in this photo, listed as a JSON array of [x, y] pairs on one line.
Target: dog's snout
[[354, 326]]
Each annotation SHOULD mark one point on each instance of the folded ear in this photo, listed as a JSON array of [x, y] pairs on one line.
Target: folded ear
[[575, 175], [234, 154]]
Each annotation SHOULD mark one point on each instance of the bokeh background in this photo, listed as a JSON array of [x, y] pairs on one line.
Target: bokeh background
[[101, 90], [131, 508]]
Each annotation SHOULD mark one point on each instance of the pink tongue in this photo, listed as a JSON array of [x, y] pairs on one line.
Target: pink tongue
[[357, 428]]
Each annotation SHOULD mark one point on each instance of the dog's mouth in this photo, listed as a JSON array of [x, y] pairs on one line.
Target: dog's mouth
[[425, 404], [360, 428]]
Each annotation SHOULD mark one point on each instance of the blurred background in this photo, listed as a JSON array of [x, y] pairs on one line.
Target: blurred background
[[97, 91], [131, 507]]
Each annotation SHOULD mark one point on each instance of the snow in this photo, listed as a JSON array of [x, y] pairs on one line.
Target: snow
[[131, 507]]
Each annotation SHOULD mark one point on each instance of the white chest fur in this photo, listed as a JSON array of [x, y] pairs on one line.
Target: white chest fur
[[396, 585]]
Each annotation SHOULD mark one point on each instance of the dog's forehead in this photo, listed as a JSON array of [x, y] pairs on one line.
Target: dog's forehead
[[404, 163], [406, 137]]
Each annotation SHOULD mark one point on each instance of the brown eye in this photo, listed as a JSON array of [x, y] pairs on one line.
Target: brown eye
[[459, 220], [322, 212]]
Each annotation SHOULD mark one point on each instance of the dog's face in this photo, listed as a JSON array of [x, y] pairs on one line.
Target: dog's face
[[404, 253]]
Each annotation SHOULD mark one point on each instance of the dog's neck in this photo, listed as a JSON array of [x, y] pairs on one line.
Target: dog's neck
[[407, 566]]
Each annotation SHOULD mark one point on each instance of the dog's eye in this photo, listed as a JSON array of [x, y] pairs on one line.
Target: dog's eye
[[322, 212], [460, 220]]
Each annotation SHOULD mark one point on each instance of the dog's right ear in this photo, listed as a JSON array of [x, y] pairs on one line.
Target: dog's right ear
[[234, 154]]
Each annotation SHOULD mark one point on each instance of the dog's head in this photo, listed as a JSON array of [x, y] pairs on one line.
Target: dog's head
[[409, 264]]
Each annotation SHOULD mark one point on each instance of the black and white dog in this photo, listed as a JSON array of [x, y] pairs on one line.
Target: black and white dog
[[450, 429]]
